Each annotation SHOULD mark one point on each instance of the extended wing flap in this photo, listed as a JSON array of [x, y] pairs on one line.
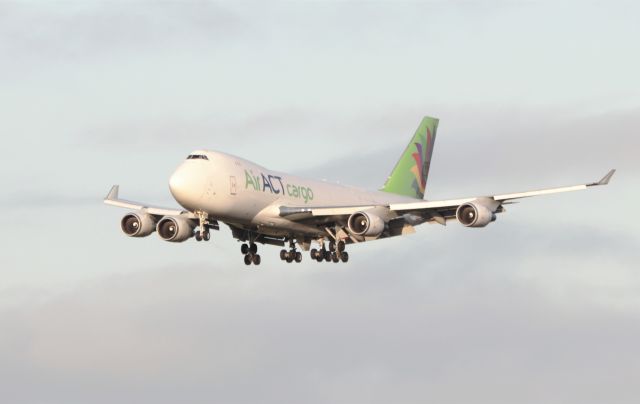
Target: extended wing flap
[[425, 205], [299, 213]]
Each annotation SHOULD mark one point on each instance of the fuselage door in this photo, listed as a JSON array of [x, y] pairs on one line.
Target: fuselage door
[[232, 183]]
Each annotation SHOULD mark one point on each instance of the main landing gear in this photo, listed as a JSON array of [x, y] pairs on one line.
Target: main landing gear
[[335, 254], [292, 254], [250, 252]]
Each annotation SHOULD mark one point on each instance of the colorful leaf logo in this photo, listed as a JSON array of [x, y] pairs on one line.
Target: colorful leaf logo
[[421, 169]]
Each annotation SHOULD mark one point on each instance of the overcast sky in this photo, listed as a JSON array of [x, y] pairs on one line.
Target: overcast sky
[[542, 306]]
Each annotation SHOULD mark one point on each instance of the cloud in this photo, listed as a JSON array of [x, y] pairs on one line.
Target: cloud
[[406, 325], [30, 199], [541, 306], [483, 149], [98, 29]]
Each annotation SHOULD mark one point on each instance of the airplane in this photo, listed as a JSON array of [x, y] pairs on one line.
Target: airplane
[[262, 206]]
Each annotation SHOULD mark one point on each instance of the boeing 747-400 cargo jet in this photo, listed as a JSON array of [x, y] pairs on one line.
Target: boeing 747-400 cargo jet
[[267, 207]]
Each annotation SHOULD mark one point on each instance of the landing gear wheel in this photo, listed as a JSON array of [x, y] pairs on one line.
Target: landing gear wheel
[[344, 256], [327, 256], [256, 259], [314, 254], [289, 258], [198, 236], [334, 258], [244, 249], [207, 236], [341, 246], [332, 245], [283, 255], [298, 257], [248, 259], [253, 248]]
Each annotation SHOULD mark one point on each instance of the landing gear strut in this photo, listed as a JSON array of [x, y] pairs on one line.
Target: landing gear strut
[[203, 227]]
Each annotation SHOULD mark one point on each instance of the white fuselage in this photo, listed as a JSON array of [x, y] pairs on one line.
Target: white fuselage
[[240, 192]]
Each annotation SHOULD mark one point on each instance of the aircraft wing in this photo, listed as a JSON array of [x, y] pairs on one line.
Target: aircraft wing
[[424, 211], [113, 200]]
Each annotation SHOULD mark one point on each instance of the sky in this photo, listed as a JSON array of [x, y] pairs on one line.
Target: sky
[[541, 306]]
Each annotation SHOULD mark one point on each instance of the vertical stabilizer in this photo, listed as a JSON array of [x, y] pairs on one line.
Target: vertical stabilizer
[[409, 177]]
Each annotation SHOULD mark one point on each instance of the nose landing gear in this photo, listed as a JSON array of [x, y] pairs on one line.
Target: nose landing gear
[[204, 235], [203, 227]]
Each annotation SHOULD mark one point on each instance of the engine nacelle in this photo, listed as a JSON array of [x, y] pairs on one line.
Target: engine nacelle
[[474, 214], [175, 229], [365, 224], [138, 224]]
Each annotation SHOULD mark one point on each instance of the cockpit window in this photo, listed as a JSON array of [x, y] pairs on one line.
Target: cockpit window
[[197, 157]]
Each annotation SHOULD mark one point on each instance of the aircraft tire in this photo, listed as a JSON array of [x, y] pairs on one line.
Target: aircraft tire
[[198, 236], [207, 236], [253, 248], [314, 253], [283, 255], [248, 259], [344, 256], [256, 259], [341, 246], [335, 258], [244, 249], [298, 257]]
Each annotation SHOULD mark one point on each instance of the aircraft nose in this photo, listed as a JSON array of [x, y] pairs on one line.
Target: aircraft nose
[[177, 182], [184, 187]]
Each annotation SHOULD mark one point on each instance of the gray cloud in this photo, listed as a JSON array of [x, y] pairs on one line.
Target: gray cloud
[[449, 316], [484, 149], [447, 330], [541, 306]]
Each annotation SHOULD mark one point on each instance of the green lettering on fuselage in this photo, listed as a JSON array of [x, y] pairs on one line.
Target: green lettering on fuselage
[[250, 180], [276, 185]]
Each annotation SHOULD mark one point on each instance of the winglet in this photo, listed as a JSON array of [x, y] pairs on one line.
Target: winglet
[[113, 193], [605, 180]]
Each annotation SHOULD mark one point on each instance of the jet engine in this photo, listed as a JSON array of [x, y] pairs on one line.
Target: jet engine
[[138, 224], [365, 224], [474, 214], [175, 229]]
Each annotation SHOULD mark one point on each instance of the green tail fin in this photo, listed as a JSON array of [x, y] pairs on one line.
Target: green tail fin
[[409, 177]]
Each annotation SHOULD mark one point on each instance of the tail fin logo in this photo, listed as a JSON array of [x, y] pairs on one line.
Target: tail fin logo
[[410, 174], [421, 168]]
